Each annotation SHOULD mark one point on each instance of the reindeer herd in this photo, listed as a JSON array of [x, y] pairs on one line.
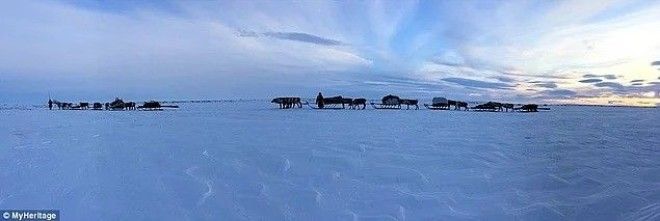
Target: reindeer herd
[[116, 105], [335, 102], [395, 102]]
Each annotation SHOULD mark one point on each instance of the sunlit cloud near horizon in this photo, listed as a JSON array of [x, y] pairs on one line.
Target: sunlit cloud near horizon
[[579, 52]]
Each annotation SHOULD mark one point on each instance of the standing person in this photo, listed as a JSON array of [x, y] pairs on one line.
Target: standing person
[[50, 104], [319, 100]]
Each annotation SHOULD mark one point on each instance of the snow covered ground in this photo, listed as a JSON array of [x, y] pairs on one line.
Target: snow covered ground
[[249, 161]]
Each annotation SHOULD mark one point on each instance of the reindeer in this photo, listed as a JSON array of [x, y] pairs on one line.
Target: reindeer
[[497, 106], [529, 108], [507, 106], [461, 104], [129, 105], [84, 105], [409, 102], [359, 101], [345, 100], [287, 102], [66, 106], [451, 103]]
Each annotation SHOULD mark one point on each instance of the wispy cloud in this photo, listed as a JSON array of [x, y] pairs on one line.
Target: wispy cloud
[[547, 85], [590, 81], [449, 58], [478, 84], [302, 37], [609, 84], [558, 93], [606, 76]]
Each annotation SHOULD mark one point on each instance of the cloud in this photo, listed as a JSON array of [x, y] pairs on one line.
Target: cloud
[[636, 81], [302, 37], [342, 57], [478, 84], [505, 79], [557, 93], [292, 36], [606, 76], [449, 58], [562, 92], [590, 81], [609, 85], [637, 84], [547, 85], [655, 63]]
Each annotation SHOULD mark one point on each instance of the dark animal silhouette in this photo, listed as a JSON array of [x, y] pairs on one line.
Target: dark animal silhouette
[[451, 103], [497, 106], [130, 105], [97, 106], [67, 106], [461, 104], [287, 102], [529, 108], [457, 104], [84, 105], [507, 106], [346, 101], [409, 102], [359, 101]]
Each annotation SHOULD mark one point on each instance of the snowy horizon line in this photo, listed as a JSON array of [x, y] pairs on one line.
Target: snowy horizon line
[[6, 106]]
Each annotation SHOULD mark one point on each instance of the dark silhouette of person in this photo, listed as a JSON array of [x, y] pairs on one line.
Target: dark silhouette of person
[[319, 100], [50, 104]]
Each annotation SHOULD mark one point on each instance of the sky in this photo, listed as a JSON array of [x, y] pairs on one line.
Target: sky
[[582, 52]]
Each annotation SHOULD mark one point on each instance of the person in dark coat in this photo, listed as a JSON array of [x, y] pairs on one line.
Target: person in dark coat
[[50, 104], [319, 100]]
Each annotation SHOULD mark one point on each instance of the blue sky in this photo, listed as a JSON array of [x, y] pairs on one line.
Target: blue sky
[[597, 52]]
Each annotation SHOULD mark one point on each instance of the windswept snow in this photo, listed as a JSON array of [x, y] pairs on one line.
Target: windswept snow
[[250, 161]]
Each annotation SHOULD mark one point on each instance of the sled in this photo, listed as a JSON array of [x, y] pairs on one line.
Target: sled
[[385, 106], [332, 107], [431, 107], [485, 110]]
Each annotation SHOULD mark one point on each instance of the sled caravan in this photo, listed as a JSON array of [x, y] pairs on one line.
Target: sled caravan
[[116, 105], [393, 102]]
